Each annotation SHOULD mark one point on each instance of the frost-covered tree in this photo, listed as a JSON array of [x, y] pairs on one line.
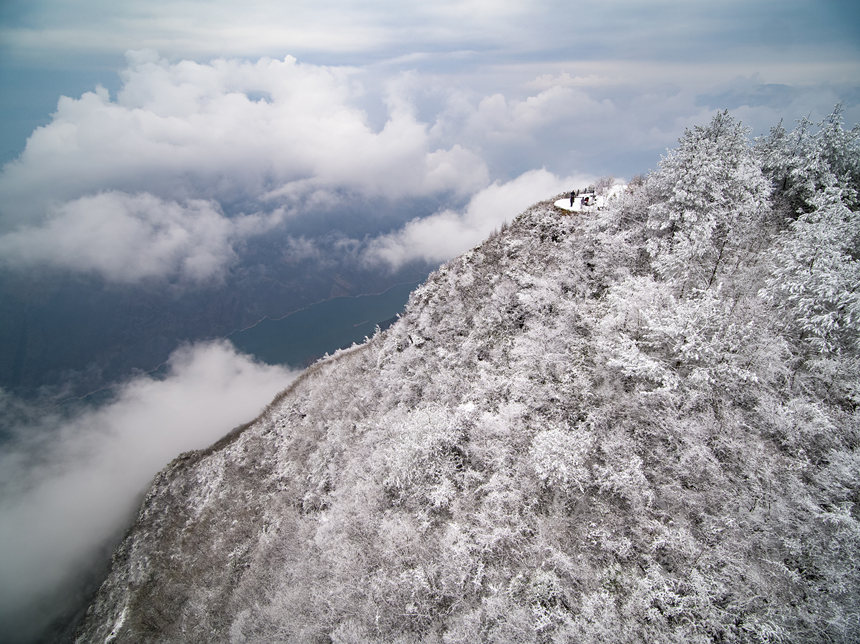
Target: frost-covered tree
[[810, 159], [711, 200], [816, 274]]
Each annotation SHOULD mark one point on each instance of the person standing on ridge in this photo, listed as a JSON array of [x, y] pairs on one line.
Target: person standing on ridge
[[572, 195]]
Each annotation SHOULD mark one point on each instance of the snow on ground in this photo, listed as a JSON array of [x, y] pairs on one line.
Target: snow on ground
[[596, 201], [577, 206]]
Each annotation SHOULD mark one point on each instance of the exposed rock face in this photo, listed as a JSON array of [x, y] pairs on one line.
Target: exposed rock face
[[564, 438]]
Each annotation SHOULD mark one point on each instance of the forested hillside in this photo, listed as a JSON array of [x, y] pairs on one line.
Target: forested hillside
[[638, 424]]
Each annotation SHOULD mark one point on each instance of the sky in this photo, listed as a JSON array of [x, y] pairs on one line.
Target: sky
[[152, 141], [181, 129]]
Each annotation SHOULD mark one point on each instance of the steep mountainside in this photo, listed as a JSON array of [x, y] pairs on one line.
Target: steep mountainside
[[638, 424]]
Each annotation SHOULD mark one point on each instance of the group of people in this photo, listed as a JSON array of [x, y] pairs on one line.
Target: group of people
[[586, 199]]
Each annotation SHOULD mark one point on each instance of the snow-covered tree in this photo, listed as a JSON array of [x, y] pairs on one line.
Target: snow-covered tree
[[711, 201], [816, 274], [811, 159]]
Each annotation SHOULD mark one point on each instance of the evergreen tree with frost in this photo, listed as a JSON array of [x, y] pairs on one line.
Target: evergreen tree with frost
[[816, 274], [815, 260]]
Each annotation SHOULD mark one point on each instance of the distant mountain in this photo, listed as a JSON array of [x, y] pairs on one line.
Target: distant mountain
[[636, 424]]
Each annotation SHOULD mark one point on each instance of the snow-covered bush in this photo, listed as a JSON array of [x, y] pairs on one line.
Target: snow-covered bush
[[559, 458]]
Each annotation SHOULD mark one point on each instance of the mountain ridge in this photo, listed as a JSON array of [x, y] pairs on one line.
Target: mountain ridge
[[605, 428]]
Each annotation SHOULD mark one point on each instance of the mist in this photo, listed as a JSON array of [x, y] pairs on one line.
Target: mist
[[69, 484]]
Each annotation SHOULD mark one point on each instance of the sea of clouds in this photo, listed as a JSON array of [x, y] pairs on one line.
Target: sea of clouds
[[70, 481]]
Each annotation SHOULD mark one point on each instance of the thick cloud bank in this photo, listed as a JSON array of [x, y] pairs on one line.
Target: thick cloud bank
[[68, 485], [153, 181], [445, 234], [125, 238], [231, 130]]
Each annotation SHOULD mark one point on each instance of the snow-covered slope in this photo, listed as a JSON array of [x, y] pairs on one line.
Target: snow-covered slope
[[581, 430]]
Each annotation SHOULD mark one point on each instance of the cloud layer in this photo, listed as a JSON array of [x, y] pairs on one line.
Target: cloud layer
[[234, 131], [627, 29], [155, 182], [127, 238], [67, 484]]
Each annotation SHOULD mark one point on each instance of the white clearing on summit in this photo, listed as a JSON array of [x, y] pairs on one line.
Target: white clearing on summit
[[588, 200]]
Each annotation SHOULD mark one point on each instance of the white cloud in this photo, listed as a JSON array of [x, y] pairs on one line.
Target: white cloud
[[67, 486], [127, 238], [445, 234], [533, 117], [145, 185], [230, 130]]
